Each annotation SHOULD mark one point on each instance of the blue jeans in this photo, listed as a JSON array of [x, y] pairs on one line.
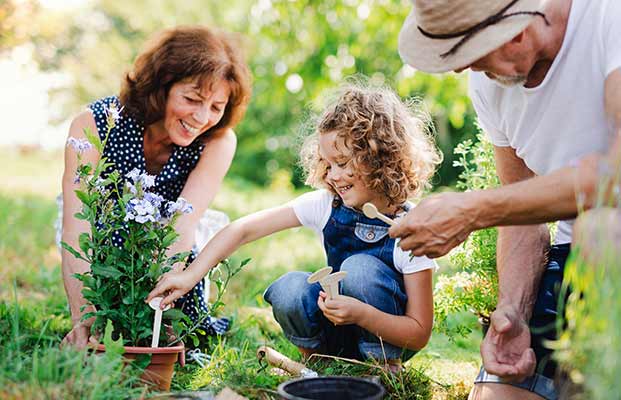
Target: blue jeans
[[294, 303]]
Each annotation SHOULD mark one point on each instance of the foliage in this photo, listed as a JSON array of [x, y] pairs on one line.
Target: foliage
[[475, 287], [40, 370], [590, 344], [121, 275], [296, 49]]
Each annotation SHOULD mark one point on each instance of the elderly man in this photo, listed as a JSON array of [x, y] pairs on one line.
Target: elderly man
[[545, 82]]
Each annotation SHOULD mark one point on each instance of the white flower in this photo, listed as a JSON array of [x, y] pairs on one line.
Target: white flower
[[113, 113], [147, 180]]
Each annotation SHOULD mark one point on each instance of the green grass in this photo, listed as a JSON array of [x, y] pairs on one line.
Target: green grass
[[34, 315]]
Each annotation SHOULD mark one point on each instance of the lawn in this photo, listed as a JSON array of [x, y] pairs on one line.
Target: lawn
[[34, 315]]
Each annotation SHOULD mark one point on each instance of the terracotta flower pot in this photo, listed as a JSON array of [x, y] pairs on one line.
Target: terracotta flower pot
[[160, 370]]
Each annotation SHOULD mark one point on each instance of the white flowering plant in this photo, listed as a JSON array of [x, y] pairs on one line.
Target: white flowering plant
[[131, 229]]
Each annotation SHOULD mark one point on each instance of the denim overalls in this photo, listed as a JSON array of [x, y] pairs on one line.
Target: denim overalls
[[361, 246]]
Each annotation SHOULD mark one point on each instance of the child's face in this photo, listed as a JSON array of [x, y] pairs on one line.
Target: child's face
[[352, 190]]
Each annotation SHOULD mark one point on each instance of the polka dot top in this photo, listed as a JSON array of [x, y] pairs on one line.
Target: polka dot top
[[125, 148]]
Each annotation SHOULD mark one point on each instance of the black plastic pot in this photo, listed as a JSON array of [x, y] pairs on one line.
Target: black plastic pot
[[331, 388]]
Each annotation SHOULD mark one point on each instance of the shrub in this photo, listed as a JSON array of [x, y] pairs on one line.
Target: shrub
[[475, 287]]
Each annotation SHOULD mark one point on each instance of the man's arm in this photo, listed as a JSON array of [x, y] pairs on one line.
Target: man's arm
[[441, 222], [521, 254]]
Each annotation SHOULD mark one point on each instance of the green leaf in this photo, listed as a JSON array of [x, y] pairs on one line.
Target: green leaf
[[71, 250], [83, 196], [174, 314], [85, 242], [93, 139], [112, 346], [105, 270]]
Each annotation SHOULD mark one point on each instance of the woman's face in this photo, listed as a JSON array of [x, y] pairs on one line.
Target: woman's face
[[191, 110]]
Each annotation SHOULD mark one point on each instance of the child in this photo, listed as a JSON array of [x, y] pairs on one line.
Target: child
[[367, 147]]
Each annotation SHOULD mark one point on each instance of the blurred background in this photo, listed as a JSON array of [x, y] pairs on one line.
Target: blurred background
[[58, 56]]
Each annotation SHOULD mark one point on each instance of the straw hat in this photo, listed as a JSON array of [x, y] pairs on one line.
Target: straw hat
[[443, 35]]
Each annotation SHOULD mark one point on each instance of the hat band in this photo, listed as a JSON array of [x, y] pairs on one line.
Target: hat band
[[470, 32]]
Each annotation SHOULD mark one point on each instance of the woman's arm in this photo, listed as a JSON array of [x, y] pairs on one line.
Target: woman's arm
[[244, 230], [202, 185], [73, 227], [411, 330]]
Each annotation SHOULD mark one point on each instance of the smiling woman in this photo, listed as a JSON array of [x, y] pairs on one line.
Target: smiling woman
[[174, 119]]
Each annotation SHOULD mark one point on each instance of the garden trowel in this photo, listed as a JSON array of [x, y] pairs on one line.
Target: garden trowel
[[278, 360]]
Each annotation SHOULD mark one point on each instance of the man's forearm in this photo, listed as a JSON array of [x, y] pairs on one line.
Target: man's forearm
[[521, 259], [537, 200]]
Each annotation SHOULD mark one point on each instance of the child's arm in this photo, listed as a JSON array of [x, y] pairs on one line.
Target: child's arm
[[229, 239], [411, 330]]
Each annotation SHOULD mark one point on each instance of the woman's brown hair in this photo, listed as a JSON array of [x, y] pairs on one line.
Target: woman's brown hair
[[183, 54]]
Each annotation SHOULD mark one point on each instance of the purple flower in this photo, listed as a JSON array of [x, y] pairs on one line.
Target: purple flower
[[133, 175], [141, 211], [131, 187], [154, 199], [181, 206], [79, 145]]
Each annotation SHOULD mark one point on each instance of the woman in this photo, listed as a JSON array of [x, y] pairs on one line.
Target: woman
[[179, 103]]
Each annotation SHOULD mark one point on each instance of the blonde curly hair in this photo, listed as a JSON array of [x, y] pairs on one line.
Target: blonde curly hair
[[392, 149]]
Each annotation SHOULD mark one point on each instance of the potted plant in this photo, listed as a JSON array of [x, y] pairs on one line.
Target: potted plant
[[123, 272], [474, 288]]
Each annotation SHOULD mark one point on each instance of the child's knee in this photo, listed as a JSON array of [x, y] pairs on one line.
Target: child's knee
[[291, 295], [369, 279]]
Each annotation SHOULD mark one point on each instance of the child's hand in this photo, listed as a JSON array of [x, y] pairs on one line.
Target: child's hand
[[343, 310], [172, 285]]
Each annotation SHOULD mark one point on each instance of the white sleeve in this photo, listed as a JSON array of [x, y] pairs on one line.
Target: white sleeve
[[487, 120], [612, 36], [313, 209], [404, 265]]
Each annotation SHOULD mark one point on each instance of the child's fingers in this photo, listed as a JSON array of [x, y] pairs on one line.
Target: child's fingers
[[174, 295], [160, 289]]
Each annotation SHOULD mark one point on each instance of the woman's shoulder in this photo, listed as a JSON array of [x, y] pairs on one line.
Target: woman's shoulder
[[105, 103]]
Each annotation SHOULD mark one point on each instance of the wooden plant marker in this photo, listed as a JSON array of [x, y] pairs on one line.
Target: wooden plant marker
[[331, 283], [319, 275], [370, 211], [157, 320]]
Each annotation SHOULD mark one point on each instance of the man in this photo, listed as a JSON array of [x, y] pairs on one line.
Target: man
[[546, 86]]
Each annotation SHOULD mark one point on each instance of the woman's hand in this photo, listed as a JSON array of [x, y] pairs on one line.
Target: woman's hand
[[171, 286], [78, 336], [343, 310]]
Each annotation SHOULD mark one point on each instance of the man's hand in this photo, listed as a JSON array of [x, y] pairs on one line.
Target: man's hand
[[78, 336], [436, 225], [343, 310], [506, 350]]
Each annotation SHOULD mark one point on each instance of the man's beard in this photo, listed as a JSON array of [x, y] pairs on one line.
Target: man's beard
[[508, 80]]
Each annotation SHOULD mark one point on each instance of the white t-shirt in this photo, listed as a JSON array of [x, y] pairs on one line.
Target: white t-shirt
[[563, 119], [313, 210]]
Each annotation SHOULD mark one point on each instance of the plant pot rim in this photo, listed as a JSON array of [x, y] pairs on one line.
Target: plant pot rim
[[140, 349]]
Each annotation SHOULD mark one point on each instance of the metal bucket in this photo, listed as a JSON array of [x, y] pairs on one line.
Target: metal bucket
[[331, 388]]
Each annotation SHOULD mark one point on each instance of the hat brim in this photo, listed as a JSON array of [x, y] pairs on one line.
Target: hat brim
[[423, 53]]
